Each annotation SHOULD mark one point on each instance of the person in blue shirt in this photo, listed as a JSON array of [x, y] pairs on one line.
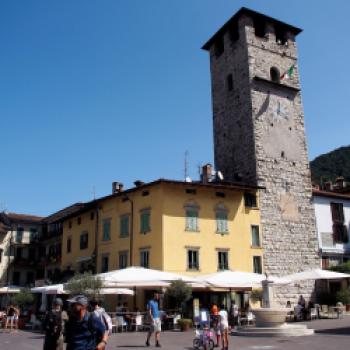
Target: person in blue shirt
[[154, 316], [84, 331]]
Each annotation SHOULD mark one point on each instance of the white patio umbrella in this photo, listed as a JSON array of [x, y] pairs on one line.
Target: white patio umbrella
[[237, 279], [10, 290], [50, 289], [316, 274], [141, 277], [60, 289]]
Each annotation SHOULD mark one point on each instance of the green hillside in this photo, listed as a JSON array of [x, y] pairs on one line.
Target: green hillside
[[331, 165]]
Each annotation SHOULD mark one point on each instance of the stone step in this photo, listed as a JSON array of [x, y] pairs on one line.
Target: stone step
[[286, 330]]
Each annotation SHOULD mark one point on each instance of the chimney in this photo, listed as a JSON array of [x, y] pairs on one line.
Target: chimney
[[117, 187], [328, 186], [138, 183], [340, 182], [206, 175]]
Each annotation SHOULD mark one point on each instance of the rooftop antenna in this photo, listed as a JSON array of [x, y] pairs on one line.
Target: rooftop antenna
[[93, 192], [186, 165]]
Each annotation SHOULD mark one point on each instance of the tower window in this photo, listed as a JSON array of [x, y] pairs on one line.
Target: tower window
[[281, 37], [260, 29], [275, 74], [219, 47], [229, 82], [234, 32]]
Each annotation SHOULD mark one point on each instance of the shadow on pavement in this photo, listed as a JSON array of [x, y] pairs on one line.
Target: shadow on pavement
[[335, 331]]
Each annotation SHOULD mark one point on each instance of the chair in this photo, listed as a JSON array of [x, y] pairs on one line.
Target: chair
[[313, 313], [250, 318], [137, 322], [121, 323], [33, 323], [175, 321], [324, 311], [114, 325]]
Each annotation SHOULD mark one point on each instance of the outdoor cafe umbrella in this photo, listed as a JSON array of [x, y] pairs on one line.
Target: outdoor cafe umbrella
[[316, 274], [60, 289], [238, 279], [10, 290], [141, 277]]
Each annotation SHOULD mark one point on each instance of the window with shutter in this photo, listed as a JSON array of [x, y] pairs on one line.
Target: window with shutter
[[145, 218], [106, 230], [191, 220], [255, 236], [221, 221], [124, 225]]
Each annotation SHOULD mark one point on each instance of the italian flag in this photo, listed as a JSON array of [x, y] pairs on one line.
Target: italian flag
[[288, 73]]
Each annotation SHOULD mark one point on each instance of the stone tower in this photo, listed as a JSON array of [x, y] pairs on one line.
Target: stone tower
[[259, 132]]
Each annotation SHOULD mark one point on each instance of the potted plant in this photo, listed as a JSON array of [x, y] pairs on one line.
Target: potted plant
[[343, 296], [185, 324], [180, 292], [256, 296]]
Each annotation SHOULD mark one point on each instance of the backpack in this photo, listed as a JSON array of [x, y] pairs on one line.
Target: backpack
[[54, 324], [106, 319]]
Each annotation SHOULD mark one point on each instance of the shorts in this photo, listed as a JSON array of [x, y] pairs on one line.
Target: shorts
[[156, 325], [223, 328]]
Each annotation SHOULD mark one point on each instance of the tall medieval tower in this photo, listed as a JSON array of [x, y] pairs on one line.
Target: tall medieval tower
[[259, 132]]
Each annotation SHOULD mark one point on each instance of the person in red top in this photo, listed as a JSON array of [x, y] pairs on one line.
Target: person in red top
[[215, 318]]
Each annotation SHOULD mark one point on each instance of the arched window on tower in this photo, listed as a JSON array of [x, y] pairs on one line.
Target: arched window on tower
[[275, 75]]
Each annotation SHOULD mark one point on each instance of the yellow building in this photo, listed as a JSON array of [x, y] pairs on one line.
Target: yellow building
[[184, 227]]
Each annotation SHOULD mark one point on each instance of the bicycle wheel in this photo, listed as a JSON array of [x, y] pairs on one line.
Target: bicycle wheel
[[196, 343], [211, 344]]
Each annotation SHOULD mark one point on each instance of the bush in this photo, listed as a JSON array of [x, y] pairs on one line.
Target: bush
[[256, 295], [23, 298], [343, 296], [344, 268]]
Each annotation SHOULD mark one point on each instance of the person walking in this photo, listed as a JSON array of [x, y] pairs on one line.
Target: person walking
[[223, 321], [84, 331], [54, 324], [154, 316], [10, 316]]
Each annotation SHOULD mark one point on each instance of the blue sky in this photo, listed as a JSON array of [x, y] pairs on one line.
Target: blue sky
[[117, 90]]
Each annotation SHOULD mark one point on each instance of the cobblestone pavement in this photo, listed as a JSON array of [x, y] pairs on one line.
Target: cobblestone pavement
[[330, 334]]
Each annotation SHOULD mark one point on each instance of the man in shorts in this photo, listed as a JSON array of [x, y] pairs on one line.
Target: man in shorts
[[154, 316]]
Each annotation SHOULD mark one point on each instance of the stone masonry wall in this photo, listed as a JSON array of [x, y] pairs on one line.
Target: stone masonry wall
[[259, 132]]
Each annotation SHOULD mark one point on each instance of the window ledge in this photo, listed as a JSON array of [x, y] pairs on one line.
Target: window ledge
[[125, 236], [193, 270], [189, 230], [225, 233], [256, 246], [276, 84], [251, 208]]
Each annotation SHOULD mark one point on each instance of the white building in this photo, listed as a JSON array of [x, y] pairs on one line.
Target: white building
[[332, 212]]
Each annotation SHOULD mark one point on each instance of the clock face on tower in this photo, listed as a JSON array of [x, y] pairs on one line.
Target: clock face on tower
[[279, 135]]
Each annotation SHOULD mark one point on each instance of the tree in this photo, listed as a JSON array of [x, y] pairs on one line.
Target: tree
[[86, 284], [344, 267], [23, 298], [180, 292]]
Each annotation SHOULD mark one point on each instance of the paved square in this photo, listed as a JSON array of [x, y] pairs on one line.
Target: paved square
[[330, 334]]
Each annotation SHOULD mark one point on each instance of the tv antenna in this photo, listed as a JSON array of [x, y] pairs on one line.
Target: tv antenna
[[186, 165]]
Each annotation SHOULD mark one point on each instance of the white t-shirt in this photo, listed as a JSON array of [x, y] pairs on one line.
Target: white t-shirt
[[223, 318]]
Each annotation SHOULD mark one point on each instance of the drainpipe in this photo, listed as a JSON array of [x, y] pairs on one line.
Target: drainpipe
[[131, 260], [96, 237]]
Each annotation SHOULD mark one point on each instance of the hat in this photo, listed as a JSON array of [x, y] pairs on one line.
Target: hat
[[79, 299], [58, 301]]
